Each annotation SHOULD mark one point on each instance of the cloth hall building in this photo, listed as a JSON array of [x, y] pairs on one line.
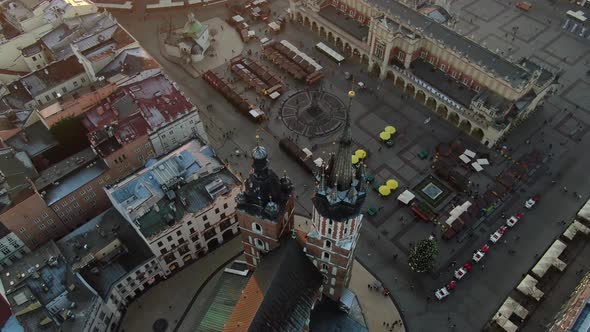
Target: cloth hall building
[[481, 92]]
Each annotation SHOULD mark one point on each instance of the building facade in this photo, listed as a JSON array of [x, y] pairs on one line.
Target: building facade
[[489, 94], [12, 248]]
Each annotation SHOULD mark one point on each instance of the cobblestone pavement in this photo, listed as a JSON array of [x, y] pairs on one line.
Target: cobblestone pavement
[[550, 130]]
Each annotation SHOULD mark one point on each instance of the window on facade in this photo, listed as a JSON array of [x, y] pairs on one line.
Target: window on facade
[[225, 205], [477, 88], [169, 238], [326, 256], [209, 233], [47, 98], [178, 233], [207, 225], [34, 58], [75, 83], [163, 251], [192, 230], [64, 89], [169, 258], [222, 216], [329, 231], [423, 54], [160, 243], [259, 244], [380, 50], [328, 244], [54, 94], [256, 228], [443, 67], [181, 241], [217, 211], [83, 79], [204, 217]]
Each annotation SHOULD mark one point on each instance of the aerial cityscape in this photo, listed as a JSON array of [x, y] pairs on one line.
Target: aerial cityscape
[[294, 165]]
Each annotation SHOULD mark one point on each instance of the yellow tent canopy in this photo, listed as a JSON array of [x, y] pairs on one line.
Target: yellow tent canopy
[[390, 129], [355, 159], [384, 136], [384, 190], [360, 153], [392, 184]]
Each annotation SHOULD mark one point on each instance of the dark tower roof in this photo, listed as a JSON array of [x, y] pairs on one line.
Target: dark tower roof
[[341, 173], [265, 194], [341, 187]]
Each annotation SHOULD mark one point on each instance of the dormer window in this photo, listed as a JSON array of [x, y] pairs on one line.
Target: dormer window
[[256, 228]]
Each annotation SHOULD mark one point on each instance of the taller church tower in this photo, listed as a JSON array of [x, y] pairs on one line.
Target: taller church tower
[[336, 218]]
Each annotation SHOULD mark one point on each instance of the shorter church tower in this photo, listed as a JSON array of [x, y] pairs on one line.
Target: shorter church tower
[[264, 209], [336, 218]]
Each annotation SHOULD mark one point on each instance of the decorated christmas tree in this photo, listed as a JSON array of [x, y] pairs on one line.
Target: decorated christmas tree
[[423, 255]]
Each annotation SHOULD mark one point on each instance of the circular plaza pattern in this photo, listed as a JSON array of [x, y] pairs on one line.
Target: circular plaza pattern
[[313, 113]]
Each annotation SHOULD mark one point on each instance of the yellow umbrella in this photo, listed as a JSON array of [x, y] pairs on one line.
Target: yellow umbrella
[[360, 153], [355, 159], [390, 129], [384, 190], [392, 184], [384, 136]]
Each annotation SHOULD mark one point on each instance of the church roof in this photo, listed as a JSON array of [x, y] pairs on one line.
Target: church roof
[[265, 194], [280, 294], [342, 188]]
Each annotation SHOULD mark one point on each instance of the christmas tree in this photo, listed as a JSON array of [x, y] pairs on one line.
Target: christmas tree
[[422, 255]]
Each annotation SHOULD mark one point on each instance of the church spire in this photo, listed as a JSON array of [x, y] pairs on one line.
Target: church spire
[[341, 174]]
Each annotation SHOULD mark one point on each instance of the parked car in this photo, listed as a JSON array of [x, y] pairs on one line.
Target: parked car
[[514, 219], [441, 293], [531, 201], [480, 253], [498, 234], [462, 271]]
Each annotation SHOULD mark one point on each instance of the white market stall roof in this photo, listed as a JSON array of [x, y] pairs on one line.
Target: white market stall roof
[[550, 258], [256, 113], [483, 161], [477, 166], [318, 162], [457, 211], [574, 228], [273, 25], [584, 212], [274, 95], [509, 307], [307, 152], [469, 153], [465, 159], [528, 286], [406, 197], [238, 19], [251, 33]]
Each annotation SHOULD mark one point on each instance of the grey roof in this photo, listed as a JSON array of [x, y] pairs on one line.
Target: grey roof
[[84, 31], [44, 277], [511, 72], [290, 283], [65, 167], [129, 62], [72, 182], [33, 140], [328, 317], [17, 168], [97, 234], [359, 31]]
